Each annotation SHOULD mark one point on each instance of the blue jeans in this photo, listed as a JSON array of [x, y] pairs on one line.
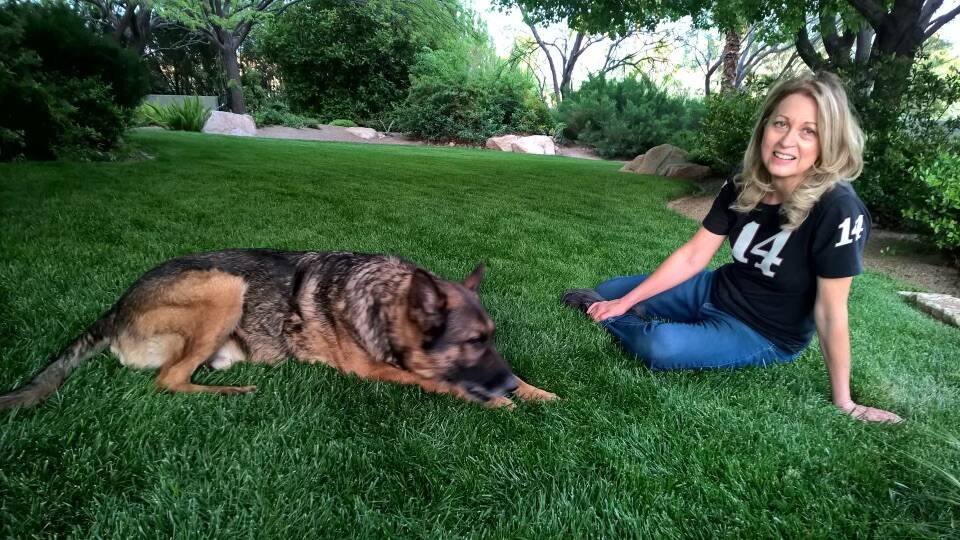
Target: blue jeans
[[680, 329]]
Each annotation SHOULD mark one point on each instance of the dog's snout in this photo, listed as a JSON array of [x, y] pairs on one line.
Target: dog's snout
[[486, 379]]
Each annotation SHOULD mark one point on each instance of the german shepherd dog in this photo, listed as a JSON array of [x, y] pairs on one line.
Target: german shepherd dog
[[376, 316]]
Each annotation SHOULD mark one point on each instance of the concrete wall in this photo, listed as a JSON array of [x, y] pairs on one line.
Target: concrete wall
[[209, 102]]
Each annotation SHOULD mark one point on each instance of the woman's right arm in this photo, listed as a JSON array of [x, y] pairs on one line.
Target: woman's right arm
[[680, 266]]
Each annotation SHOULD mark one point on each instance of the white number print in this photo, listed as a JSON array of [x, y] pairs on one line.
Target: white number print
[[770, 256], [846, 235]]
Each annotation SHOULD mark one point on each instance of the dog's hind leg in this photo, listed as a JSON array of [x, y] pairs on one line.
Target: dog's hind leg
[[203, 309]]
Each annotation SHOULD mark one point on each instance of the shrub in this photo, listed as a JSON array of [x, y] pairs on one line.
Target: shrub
[[724, 131], [349, 59], [902, 143], [276, 112], [343, 123], [627, 118], [64, 90], [467, 93], [938, 215], [188, 115]]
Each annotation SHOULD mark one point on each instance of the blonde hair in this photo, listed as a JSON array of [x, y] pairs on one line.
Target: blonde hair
[[841, 149]]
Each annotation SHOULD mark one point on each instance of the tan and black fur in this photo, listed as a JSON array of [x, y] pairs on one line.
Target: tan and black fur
[[376, 316]]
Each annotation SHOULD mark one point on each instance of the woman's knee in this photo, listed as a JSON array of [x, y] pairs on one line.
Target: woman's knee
[[617, 287], [660, 350]]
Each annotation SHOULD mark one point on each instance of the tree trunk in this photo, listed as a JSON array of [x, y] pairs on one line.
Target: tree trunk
[[731, 54], [232, 66]]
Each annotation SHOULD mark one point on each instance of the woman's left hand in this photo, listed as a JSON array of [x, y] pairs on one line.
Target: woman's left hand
[[869, 414], [599, 311]]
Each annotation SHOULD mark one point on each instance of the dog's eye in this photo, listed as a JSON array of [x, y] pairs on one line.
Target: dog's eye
[[478, 341]]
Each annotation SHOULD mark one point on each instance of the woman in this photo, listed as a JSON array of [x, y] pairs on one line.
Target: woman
[[797, 230]]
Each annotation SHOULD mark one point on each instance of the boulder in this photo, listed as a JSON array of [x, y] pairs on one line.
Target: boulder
[[534, 144], [690, 171], [504, 142], [667, 160], [365, 133], [226, 123]]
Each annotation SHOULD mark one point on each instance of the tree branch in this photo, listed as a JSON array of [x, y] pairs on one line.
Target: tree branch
[[807, 52], [940, 21], [871, 11]]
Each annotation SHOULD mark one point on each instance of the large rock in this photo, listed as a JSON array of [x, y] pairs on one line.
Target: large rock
[[503, 143], [365, 133], [226, 123], [667, 160], [534, 144]]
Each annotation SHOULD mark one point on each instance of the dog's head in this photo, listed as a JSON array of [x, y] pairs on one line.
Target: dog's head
[[452, 339]]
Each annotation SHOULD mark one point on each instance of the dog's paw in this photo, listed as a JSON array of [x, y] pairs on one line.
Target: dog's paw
[[499, 402], [529, 392], [239, 389], [543, 395]]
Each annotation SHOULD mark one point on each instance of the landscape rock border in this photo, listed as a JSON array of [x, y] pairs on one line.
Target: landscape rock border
[[941, 306]]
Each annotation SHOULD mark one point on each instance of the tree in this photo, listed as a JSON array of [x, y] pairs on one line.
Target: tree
[[352, 60], [129, 22], [226, 24], [879, 43], [704, 52], [892, 31], [563, 53]]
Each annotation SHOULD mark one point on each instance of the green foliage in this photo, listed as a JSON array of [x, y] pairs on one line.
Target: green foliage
[[256, 95], [725, 130], [63, 89], [626, 118], [270, 108], [611, 16], [187, 115], [939, 213], [343, 123], [905, 141], [276, 112], [181, 65], [467, 93], [347, 59]]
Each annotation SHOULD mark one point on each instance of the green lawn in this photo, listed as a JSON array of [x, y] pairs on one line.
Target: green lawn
[[627, 452]]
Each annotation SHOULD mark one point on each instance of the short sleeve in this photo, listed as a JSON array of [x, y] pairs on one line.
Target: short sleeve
[[840, 237], [720, 219]]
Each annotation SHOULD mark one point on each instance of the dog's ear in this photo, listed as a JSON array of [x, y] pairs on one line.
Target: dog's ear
[[427, 302], [472, 281]]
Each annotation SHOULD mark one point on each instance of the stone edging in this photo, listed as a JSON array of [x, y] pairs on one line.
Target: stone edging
[[940, 306]]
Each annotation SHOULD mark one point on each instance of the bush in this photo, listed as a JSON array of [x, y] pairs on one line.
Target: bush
[[725, 130], [467, 93], [276, 112], [626, 118], [343, 123], [188, 115], [349, 59], [939, 214], [64, 90], [902, 143]]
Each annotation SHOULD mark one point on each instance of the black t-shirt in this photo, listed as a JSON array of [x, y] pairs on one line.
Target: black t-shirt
[[772, 282]]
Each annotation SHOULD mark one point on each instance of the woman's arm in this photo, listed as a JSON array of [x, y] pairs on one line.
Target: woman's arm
[[680, 266], [830, 315]]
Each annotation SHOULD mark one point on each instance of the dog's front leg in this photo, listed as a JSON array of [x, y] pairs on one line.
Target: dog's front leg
[[386, 372], [528, 392]]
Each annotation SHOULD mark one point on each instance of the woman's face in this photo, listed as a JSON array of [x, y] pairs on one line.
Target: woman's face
[[791, 142]]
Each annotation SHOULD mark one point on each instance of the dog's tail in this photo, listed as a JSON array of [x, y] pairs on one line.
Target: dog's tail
[[46, 382]]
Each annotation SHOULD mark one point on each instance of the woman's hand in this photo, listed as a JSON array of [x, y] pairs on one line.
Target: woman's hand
[[868, 414], [599, 311]]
